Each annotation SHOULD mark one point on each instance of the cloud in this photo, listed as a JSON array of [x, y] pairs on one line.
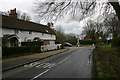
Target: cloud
[[23, 5], [27, 6], [71, 27]]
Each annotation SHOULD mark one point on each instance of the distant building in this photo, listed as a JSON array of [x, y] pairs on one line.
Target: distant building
[[15, 31]]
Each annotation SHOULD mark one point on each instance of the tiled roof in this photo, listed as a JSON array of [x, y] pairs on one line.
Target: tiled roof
[[13, 23]]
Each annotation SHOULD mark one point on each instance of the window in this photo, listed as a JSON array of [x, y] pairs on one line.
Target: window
[[16, 31], [30, 32], [29, 40]]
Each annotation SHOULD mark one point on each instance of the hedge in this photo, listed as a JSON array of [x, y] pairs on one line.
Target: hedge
[[39, 43], [90, 42], [116, 42], [9, 51]]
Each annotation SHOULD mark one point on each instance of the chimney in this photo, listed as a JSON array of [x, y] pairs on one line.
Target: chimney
[[49, 24], [13, 13]]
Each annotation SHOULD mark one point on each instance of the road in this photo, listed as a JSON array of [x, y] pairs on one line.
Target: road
[[74, 63]]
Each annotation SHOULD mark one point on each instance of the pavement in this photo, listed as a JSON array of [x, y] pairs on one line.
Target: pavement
[[11, 63], [73, 63]]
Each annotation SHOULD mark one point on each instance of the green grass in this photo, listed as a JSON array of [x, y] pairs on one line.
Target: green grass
[[108, 47], [106, 57]]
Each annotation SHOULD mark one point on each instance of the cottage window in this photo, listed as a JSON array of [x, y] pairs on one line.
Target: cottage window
[[29, 40], [30, 32], [16, 31]]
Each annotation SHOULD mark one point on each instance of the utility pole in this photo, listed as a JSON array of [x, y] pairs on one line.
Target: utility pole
[[78, 43]]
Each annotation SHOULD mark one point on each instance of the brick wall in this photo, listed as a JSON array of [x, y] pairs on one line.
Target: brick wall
[[46, 42]]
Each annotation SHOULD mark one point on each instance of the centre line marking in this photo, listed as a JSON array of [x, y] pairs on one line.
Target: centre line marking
[[63, 60], [40, 74]]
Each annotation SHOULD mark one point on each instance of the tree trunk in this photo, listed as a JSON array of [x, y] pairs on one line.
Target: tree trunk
[[116, 7]]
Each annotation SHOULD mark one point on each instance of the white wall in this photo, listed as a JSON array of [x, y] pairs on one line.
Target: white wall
[[25, 35], [50, 47]]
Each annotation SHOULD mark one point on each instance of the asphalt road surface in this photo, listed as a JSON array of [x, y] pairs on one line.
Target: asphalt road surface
[[74, 63]]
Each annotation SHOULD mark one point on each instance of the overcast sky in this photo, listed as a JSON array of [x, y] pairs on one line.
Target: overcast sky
[[27, 6]]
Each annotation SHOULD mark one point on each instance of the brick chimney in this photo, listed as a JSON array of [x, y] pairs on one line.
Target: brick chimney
[[13, 13], [49, 24]]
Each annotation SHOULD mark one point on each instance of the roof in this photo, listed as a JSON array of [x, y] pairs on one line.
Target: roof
[[13, 23], [7, 37]]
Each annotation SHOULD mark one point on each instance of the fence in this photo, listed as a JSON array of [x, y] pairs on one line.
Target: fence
[[50, 47]]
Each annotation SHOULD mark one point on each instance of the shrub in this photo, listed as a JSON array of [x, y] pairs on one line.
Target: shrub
[[90, 42], [87, 42], [7, 51], [11, 51], [39, 43], [116, 42]]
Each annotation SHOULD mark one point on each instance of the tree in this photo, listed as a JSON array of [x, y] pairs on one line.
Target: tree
[[71, 38], [54, 10], [23, 15], [60, 35], [6, 13], [93, 30], [20, 15], [112, 25], [116, 7]]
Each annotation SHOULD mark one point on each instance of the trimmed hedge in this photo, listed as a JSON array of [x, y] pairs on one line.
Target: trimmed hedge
[[87, 42], [90, 42], [9, 51], [116, 42], [31, 43]]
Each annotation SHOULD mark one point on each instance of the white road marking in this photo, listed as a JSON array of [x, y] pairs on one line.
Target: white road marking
[[32, 64], [89, 61], [51, 65], [46, 66], [40, 74], [63, 60], [40, 65]]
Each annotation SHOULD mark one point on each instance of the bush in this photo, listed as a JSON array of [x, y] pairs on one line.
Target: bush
[[87, 42], [116, 42], [62, 46], [39, 43], [90, 42], [105, 59], [11, 51], [7, 51]]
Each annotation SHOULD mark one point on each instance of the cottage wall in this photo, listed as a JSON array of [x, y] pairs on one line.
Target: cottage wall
[[25, 35]]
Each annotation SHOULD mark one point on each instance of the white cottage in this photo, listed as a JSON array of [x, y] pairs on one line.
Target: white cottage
[[15, 31]]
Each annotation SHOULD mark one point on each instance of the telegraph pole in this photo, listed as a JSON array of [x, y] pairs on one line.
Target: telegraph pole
[[78, 43]]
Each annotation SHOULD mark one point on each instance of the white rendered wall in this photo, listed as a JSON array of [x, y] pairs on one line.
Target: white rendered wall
[[25, 35]]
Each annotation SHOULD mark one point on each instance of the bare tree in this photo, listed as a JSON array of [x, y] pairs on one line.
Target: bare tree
[[77, 10], [71, 38], [25, 16], [60, 35], [53, 10], [6, 13]]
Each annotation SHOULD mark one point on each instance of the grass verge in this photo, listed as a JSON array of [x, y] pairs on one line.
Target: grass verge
[[106, 60]]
